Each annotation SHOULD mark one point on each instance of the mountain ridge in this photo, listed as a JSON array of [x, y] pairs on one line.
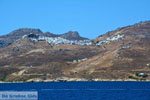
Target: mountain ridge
[[11, 37], [121, 54]]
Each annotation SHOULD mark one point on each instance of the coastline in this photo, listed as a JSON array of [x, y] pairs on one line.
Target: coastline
[[100, 80]]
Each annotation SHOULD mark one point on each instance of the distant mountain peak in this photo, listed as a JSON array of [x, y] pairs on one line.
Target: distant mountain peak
[[72, 35], [25, 31], [49, 34], [22, 32]]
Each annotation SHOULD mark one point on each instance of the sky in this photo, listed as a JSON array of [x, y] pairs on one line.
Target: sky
[[90, 18]]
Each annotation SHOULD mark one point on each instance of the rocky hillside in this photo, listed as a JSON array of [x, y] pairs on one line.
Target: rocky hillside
[[31, 55], [19, 33], [126, 54]]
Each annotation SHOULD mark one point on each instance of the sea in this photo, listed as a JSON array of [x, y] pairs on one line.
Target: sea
[[83, 90]]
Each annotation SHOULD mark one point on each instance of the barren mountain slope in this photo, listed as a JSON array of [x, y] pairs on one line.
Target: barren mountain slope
[[122, 54], [124, 57], [40, 59]]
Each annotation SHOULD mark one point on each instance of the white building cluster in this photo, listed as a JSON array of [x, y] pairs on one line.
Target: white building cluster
[[59, 40], [79, 60], [108, 40]]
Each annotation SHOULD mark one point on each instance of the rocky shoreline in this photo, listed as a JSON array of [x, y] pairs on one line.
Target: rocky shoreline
[[73, 80]]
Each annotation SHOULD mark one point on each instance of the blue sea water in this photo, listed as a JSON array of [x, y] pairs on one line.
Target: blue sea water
[[84, 90]]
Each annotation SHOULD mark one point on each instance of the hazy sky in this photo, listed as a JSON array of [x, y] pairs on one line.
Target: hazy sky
[[89, 17]]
